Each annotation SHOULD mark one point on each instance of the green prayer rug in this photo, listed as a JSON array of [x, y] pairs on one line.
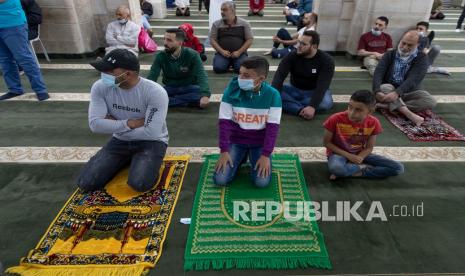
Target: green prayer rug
[[221, 238]]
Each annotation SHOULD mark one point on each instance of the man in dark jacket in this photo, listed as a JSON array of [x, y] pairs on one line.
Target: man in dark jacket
[[34, 17], [398, 76]]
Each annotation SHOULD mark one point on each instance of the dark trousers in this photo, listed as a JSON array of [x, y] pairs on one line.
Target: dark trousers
[[461, 18], [283, 34], [143, 157]]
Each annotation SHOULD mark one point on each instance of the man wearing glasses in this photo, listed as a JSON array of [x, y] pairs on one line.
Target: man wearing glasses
[[311, 73]]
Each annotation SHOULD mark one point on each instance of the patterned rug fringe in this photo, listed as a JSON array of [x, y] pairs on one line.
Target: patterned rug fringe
[[257, 263], [39, 270]]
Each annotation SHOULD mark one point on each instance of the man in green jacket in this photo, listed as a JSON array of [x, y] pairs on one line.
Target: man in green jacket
[[184, 77]]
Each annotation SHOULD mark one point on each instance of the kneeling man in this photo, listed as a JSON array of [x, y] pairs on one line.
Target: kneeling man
[[133, 109]]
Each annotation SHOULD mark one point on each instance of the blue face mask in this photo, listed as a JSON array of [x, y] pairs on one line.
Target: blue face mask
[[246, 84], [110, 80]]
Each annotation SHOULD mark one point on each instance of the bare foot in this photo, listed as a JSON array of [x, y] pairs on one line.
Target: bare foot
[[416, 119], [332, 177]]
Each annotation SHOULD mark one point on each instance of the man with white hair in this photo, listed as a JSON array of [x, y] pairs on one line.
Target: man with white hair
[[122, 33], [398, 76]]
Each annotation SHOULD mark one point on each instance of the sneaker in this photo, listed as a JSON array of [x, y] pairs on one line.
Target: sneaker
[[260, 13], [458, 30], [250, 13], [9, 95], [21, 72], [437, 70], [289, 23], [267, 53], [42, 96]]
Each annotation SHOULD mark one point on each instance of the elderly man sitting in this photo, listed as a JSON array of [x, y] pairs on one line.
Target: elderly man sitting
[[230, 36], [122, 33], [398, 76]]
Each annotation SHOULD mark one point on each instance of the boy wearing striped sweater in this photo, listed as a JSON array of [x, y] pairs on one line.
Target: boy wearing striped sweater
[[250, 113]]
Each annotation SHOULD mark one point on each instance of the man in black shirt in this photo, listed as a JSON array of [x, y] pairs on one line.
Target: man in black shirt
[[311, 73]]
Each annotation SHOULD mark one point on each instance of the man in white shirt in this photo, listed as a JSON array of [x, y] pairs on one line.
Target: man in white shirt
[[289, 41], [122, 33]]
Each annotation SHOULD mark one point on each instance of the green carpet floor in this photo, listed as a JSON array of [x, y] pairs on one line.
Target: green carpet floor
[[43, 124], [32, 195]]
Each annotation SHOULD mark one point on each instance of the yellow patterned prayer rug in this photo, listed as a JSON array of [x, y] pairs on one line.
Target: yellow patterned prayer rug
[[115, 231], [220, 238]]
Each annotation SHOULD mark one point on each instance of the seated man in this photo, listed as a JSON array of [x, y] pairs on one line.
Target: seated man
[[134, 110], [398, 77], [184, 78], [147, 8], [425, 46], [182, 7], [122, 33], [436, 10], [291, 9], [147, 11], [256, 7], [311, 73], [250, 113], [372, 45], [230, 36], [193, 41], [304, 6], [290, 42], [350, 137]]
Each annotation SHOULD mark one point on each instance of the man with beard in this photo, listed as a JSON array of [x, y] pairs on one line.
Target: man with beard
[[184, 77], [372, 45], [398, 76], [230, 36], [133, 110], [311, 73]]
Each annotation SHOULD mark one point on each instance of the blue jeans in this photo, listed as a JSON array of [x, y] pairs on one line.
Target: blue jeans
[[239, 155], [145, 21], [15, 50], [183, 95], [221, 64], [145, 159], [378, 166], [283, 34], [294, 99]]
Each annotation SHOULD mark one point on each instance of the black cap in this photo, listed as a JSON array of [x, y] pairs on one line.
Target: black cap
[[118, 58]]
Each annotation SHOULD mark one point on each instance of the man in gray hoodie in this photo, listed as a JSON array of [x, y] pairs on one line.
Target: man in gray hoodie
[[133, 110]]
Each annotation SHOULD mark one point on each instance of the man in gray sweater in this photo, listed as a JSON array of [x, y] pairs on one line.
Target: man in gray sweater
[[134, 110], [398, 76]]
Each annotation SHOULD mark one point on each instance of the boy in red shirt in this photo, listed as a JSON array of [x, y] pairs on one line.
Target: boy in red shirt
[[349, 140]]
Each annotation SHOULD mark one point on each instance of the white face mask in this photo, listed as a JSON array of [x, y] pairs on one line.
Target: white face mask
[[376, 32], [422, 34], [122, 21]]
